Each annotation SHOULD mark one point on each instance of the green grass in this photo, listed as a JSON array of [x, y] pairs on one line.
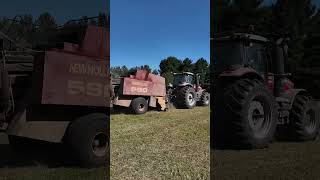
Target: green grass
[[37, 166], [287, 161], [157, 145], [161, 145]]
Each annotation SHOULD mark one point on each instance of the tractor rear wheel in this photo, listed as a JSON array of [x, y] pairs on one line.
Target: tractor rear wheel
[[186, 97], [246, 118], [88, 140], [304, 124], [139, 105]]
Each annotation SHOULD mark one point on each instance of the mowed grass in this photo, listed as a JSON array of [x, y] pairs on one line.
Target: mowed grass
[[282, 160], [287, 161], [161, 145], [42, 165]]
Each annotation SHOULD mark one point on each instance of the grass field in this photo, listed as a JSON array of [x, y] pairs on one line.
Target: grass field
[[286, 161], [161, 145], [47, 163], [282, 160]]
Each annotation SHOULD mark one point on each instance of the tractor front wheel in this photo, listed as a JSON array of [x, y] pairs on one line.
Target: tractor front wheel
[[304, 124], [205, 99]]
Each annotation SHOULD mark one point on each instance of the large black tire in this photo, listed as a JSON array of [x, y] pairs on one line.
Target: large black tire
[[139, 105], [244, 115], [169, 96], [204, 99], [304, 125], [88, 140], [186, 98]]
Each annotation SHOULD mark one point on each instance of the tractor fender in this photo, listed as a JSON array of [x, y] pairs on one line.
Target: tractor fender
[[292, 94], [243, 72]]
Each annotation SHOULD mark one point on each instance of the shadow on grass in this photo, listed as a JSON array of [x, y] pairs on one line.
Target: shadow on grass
[[243, 148], [44, 154], [50, 155], [127, 110]]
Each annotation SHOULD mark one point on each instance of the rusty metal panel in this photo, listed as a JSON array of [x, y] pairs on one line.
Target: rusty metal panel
[[143, 88], [153, 101], [162, 102], [122, 101], [97, 42], [51, 131], [144, 84], [70, 79], [141, 75]]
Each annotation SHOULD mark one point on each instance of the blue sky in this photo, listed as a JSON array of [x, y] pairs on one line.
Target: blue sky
[[147, 31], [62, 10]]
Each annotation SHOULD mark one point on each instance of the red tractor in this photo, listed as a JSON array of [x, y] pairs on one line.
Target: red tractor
[[58, 92], [254, 99], [186, 91]]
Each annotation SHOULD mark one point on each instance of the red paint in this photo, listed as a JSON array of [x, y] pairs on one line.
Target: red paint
[[79, 74], [144, 84], [287, 85], [270, 83]]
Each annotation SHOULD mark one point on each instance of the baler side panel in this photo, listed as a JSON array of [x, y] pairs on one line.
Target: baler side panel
[[142, 88], [75, 80]]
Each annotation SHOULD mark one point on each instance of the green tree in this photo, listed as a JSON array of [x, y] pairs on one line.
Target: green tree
[[85, 20], [118, 71], [93, 22], [46, 22], [186, 65], [294, 19], [170, 64], [168, 77], [155, 71], [201, 67], [219, 13], [146, 67]]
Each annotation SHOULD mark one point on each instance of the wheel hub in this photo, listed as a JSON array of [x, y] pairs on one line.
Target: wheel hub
[[141, 107], [207, 99], [100, 144], [258, 119], [191, 99]]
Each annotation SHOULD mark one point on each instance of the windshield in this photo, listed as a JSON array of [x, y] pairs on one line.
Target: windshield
[[226, 54], [256, 57], [182, 78]]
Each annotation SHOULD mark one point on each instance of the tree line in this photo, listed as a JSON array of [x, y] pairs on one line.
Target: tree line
[[299, 20], [28, 29], [168, 66]]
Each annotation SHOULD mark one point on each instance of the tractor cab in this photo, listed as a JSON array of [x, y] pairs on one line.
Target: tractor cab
[[237, 54], [235, 50], [186, 79]]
